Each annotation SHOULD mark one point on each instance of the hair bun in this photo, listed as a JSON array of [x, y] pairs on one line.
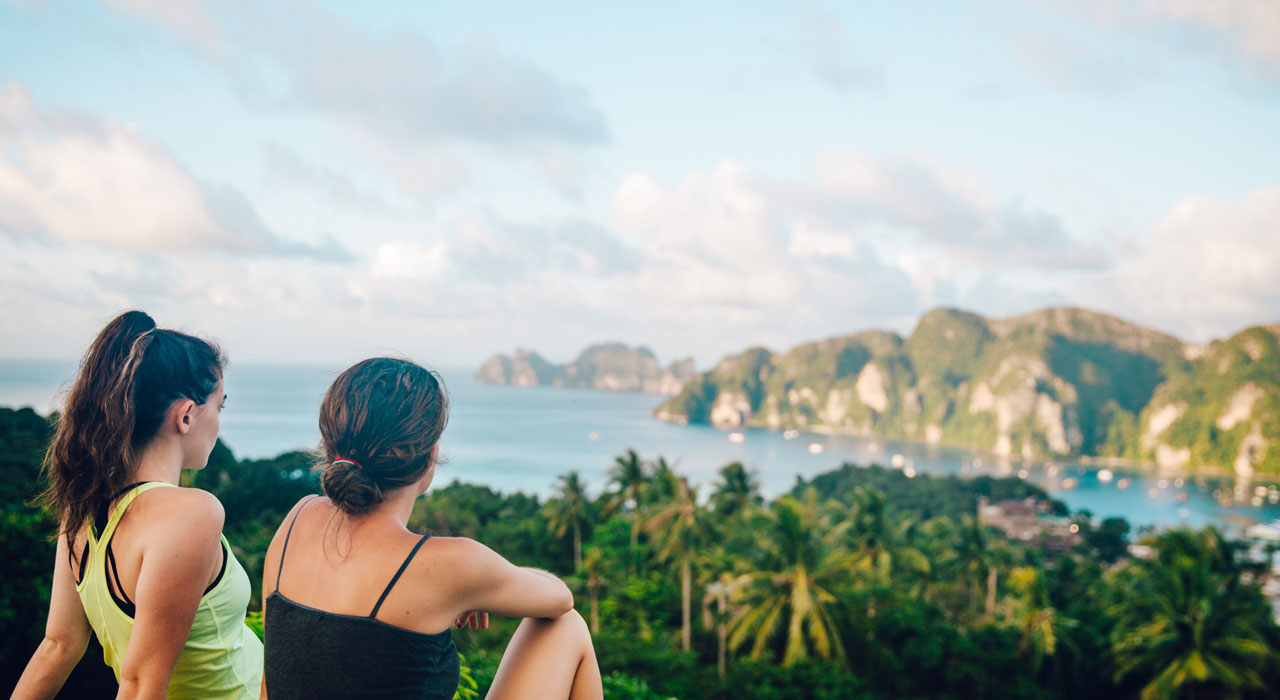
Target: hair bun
[[350, 487]]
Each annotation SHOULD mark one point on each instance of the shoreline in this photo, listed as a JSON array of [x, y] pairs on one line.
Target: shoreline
[[1087, 460]]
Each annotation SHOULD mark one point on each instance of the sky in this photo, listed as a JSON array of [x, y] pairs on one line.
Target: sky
[[314, 182]]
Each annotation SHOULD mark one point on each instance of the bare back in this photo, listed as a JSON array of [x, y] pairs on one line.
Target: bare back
[[343, 566]]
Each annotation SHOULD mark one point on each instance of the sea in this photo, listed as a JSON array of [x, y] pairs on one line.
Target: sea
[[524, 438]]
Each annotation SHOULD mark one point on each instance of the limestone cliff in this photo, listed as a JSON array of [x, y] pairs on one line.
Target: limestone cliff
[[1060, 381]]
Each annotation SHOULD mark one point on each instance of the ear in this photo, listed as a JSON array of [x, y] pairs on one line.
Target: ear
[[183, 415]]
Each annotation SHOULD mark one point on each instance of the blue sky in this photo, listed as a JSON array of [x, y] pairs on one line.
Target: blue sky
[[313, 181]]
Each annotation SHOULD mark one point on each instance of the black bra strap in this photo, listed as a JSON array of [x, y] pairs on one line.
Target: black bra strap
[[285, 548], [103, 513], [395, 578]]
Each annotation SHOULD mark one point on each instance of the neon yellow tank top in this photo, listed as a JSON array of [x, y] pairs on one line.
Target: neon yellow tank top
[[222, 659]]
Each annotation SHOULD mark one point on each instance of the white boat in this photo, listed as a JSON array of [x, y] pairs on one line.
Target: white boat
[[790, 434], [737, 437], [898, 461], [816, 448], [1105, 475], [1123, 483], [909, 472], [593, 436]]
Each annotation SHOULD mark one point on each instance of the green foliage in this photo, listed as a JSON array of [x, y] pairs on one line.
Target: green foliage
[[624, 687], [1190, 625], [861, 583], [468, 687], [254, 622], [924, 496], [1074, 381]]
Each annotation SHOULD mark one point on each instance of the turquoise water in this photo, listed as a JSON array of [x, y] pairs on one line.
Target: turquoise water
[[523, 438]]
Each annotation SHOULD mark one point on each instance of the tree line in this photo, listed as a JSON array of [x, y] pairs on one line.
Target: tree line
[[858, 583]]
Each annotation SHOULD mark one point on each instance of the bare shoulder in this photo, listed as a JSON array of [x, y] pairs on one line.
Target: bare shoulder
[[189, 507], [465, 557]]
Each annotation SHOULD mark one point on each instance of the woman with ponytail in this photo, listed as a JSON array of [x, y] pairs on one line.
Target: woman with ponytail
[[141, 562], [358, 606]]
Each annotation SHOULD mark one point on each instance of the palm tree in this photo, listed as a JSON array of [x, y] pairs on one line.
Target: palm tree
[[570, 511], [664, 483], [1186, 623], [628, 475], [879, 542], [737, 493], [593, 574], [790, 595], [685, 527], [1044, 629], [972, 557]]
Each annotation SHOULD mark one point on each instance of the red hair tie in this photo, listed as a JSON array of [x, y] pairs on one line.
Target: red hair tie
[[348, 461]]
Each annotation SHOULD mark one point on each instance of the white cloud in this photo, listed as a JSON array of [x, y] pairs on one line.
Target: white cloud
[[77, 180], [1252, 26], [1210, 266], [1249, 28], [911, 200], [409, 260], [413, 106]]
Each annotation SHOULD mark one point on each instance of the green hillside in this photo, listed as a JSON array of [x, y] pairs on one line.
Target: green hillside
[[1057, 382]]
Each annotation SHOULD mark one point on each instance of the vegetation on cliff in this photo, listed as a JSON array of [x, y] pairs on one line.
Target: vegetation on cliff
[[1057, 382]]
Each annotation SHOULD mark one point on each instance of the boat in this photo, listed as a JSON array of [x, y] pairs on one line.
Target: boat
[[1105, 475], [1123, 483], [897, 461], [737, 438], [816, 448], [790, 434]]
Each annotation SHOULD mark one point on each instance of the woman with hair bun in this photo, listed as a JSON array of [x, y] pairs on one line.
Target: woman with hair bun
[[359, 606], [140, 561]]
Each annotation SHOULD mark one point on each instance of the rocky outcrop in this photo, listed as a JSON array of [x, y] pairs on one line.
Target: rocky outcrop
[[607, 367], [1057, 382]]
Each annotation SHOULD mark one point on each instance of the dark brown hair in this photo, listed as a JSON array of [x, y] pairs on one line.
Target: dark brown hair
[[385, 414], [128, 379]]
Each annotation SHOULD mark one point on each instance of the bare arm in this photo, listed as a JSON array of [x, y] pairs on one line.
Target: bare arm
[[492, 584], [178, 561], [66, 636]]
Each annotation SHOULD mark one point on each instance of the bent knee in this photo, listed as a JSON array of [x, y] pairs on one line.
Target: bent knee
[[568, 625]]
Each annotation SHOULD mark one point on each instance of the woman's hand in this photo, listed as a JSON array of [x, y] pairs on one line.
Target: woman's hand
[[474, 619]]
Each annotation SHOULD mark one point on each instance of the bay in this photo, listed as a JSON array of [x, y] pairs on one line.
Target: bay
[[517, 438]]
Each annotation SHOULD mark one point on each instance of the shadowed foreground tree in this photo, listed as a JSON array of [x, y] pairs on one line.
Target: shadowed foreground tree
[[1187, 624], [790, 595]]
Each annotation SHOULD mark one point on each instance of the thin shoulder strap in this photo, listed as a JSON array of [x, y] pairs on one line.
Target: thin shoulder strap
[[395, 578], [285, 547]]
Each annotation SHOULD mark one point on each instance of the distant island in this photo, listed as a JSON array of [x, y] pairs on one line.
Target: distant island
[[607, 366], [1058, 382]]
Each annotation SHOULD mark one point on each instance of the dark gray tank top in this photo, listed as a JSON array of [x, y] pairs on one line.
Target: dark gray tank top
[[319, 655]]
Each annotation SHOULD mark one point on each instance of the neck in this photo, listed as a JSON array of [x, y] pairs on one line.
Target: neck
[[161, 461], [399, 507]]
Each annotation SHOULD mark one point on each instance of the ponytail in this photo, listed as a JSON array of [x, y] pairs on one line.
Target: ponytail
[[127, 380]]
